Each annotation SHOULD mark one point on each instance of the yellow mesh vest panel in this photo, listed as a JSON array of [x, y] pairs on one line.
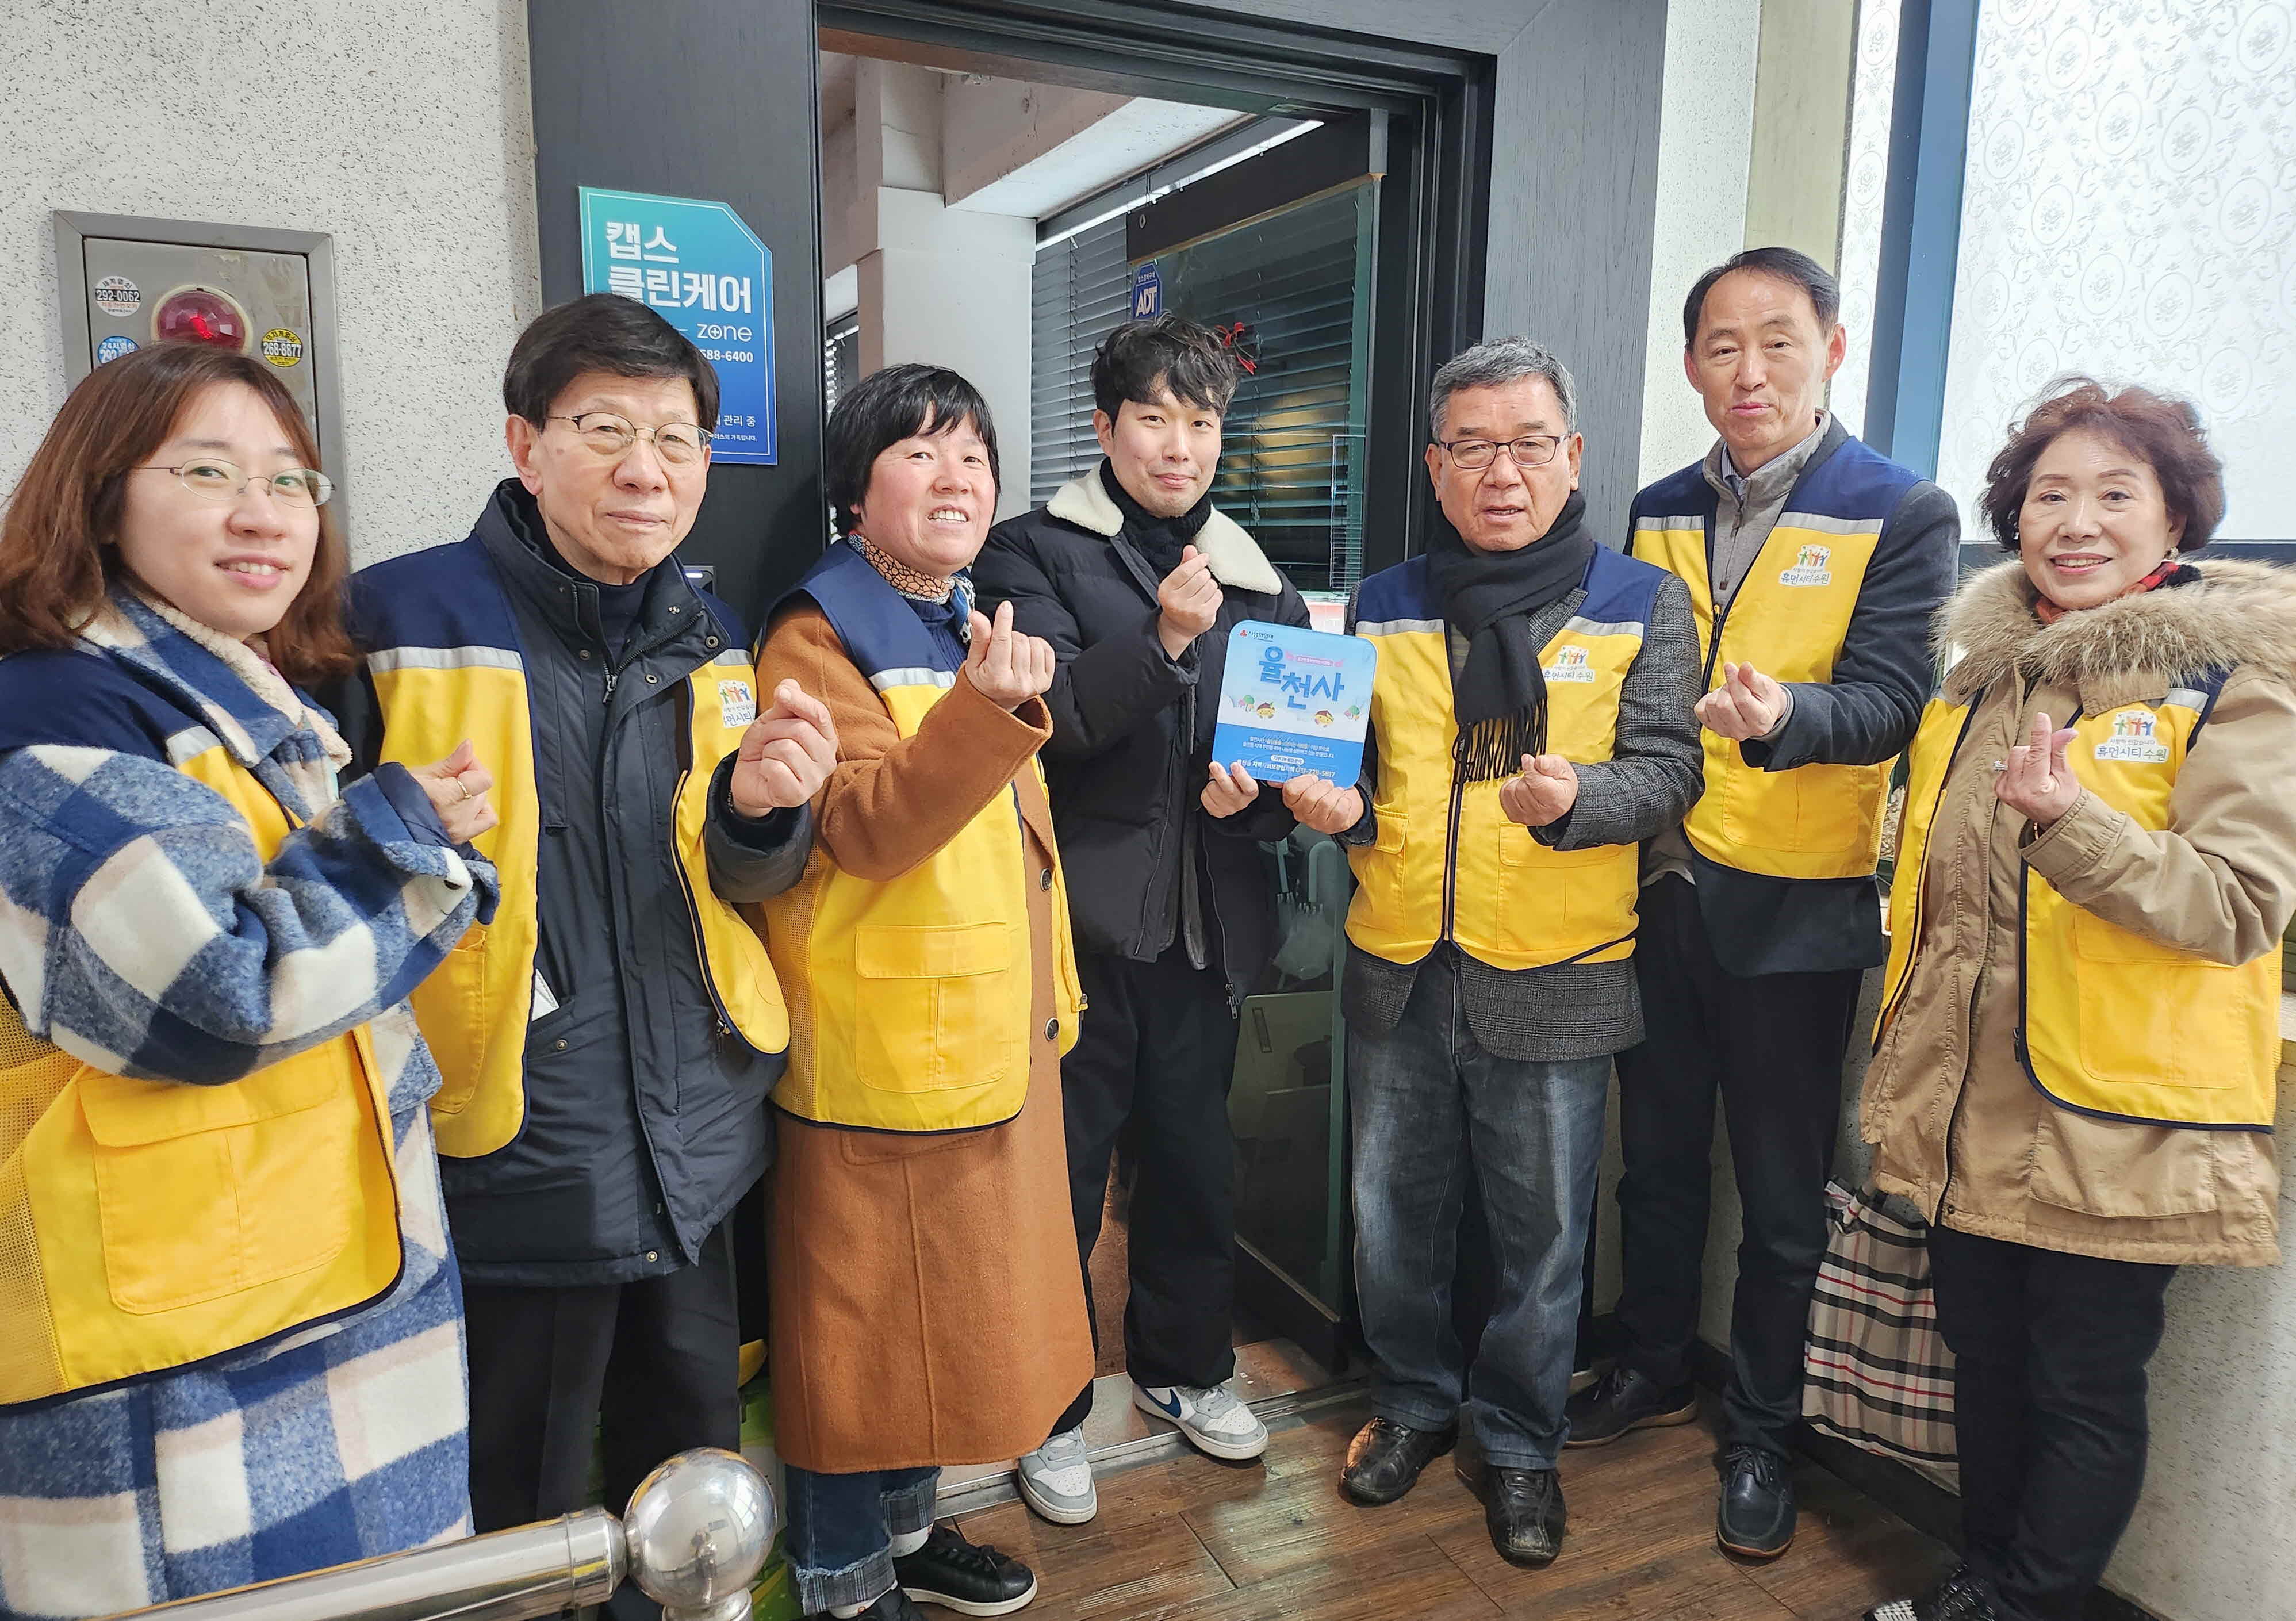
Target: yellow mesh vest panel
[[1788, 619], [1514, 903], [2115, 1023], [148, 1224], [915, 991]]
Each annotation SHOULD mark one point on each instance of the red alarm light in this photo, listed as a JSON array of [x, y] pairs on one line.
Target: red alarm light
[[201, 314]]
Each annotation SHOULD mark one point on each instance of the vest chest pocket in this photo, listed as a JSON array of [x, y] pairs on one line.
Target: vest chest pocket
[[1819, 809], [942, 1006], [454, 1000], [2150, 1012], [203, 1191]]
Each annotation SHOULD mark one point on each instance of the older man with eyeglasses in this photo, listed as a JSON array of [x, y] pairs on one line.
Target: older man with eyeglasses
[[607, 1045], [1530, 723]]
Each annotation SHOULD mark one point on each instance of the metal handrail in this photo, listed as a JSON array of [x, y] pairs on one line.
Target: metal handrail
[[695, 1536]]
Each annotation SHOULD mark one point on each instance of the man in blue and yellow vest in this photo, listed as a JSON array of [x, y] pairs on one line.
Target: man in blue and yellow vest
[[1531, 721], [607, 1044], [1814, 565]]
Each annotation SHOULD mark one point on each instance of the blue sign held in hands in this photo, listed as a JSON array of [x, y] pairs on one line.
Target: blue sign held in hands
[[1294, 701], [702, 269]]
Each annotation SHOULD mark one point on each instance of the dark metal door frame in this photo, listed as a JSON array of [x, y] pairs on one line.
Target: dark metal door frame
[[1434, 208]]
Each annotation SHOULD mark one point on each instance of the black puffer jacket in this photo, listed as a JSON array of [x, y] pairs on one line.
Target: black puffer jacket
[[645, 1119], [1132, 738]]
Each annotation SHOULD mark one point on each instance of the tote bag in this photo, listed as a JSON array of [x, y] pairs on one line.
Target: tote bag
[[1875, 1370]]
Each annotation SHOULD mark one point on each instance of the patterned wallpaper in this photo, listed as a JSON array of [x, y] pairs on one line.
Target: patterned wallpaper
[[2130, 210]]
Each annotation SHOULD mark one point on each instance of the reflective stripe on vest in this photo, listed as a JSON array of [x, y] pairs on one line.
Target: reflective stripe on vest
[[147, 1226], [1788, 618], [450, 668], [918, 991], [1446, 861], [2111, 1023]]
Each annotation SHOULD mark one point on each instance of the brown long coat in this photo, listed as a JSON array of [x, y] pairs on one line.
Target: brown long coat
[[927, 1304], [1957, 1128]]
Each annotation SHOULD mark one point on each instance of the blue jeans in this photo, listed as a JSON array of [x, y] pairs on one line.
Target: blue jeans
[[1423, 1098], [842, 1526]]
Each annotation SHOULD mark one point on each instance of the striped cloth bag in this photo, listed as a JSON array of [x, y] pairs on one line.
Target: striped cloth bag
[[1875, 1370]]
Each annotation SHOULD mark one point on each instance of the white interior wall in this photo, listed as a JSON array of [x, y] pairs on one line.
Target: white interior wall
[[430, 200]]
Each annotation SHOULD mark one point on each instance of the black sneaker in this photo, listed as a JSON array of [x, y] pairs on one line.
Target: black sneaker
[[972, 1581], [1521, 1507], [1385, 1458], [1625, 1399], [1756, 1519], [1962, 1596]]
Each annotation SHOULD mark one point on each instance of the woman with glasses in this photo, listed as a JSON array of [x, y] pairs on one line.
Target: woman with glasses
[[230, 1328]]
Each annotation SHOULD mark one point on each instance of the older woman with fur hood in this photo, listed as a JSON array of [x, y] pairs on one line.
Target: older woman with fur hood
[[2074, 1074]]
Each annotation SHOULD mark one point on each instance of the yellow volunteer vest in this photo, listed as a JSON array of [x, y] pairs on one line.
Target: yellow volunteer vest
[[447, 668], [2111, 1023], [147, 1225], [1788, 618], [916, 993], [1447, 863]]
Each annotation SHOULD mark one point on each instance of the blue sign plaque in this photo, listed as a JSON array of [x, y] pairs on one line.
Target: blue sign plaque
[[702, 269]]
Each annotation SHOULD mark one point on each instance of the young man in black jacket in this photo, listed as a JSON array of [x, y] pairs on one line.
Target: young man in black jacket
[[1815, 565], [1136, 581]]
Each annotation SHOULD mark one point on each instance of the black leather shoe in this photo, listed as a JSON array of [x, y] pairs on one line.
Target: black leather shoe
[[972, 1581], [1522, 1507], [1624, 1399], [1385, 1458], [1962, 1596], [1756, 1519]]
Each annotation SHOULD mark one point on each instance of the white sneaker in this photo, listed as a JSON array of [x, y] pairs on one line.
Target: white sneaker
[[1056, 1479], [1213, 1420]]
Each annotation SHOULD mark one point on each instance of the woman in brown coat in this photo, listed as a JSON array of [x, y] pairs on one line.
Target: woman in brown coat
[[927, 1305], [2075, 1074]]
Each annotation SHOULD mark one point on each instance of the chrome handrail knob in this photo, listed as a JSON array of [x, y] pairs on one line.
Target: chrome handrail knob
[[698, 1529]]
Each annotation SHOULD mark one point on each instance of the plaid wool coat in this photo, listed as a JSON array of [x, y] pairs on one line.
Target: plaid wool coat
[[140, 932]]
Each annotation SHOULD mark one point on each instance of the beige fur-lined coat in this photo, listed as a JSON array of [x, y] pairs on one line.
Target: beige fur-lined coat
[[1957, 1128]]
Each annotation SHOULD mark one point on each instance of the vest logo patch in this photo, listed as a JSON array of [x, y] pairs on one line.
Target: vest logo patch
[[1812, 566], [2135, 740], [1569, 665], [737, 704]]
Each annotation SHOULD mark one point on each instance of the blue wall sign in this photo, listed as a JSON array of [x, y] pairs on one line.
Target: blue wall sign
[[1147, 292], [697, 265]]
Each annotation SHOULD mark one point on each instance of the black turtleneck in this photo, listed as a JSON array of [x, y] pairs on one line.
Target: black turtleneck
[[1159, 539], [618, 606]]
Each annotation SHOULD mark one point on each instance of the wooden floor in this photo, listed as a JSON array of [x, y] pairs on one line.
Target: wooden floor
[[1192, 1537]]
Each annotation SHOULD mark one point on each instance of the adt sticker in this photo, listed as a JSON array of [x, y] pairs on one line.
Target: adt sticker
[[1147, 292], [282, 346], [737, 703], [114, 347], [116, 295]]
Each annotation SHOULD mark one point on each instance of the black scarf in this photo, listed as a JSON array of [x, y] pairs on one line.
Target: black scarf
[[1161, 540], [1500, 698]]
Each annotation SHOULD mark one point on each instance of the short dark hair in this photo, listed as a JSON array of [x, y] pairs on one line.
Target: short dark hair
[[1783, 264], [2160, 430], [1171, 351], [601, 331], [886, 408]]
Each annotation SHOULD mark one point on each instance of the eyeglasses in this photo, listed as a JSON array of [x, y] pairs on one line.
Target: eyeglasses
[[212, 478], [610, 435], [1537, 450]]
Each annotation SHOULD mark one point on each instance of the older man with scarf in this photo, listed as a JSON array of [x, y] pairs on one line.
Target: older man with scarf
[[1530, 724]]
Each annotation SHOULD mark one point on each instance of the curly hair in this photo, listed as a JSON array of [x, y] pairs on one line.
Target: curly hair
[[2160, 430]]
